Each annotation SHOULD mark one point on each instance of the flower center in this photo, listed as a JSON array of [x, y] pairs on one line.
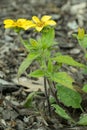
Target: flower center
[[19, 24], [14, 24], [40, 24]]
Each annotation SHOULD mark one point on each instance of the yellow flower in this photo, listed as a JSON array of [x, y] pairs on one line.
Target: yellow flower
[[43, 22], [24, 23], [28, 24], [20, 23], [9, 23], [81, 33]]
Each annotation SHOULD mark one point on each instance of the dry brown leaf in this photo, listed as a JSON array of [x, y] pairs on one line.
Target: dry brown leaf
[[30, 85]]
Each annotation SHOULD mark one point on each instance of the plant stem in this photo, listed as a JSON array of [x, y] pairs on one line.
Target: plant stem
[[51, 85], [47, 96]]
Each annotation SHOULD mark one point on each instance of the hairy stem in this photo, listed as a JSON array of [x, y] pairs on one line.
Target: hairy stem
[[47, 96], [52, 85]]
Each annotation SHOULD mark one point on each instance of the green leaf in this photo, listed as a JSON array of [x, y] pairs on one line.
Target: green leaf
[[69, 97], [57, 54], [61, 112], [75, 35], [50, 66], [85, 88], [33, 42], [85, 70], [52, 100], [26, 63], [68, 60], [48, 38], [83, 120], [83, 42], [25, 43], [37, 73], [63, 78], [86, 55], [29, 99]]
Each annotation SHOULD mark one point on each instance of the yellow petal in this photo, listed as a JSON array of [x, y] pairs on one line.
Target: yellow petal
[[38, 28], [9, 23], [21, 20], [45, 18], [29, 24], [35, 19], [8, 26], [50, 22], [21, 23], [7, 20]]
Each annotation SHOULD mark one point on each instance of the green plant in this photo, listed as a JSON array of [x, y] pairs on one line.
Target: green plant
[[82, 40], [40, 50]]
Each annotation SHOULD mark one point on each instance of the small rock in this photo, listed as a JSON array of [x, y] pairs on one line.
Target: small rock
[[56, 16], [78, 9], [15, 103], [8, 38], [4, 82], [3, 122], [40, 1], [1, 109], [2, 75], [78, 1], [26, 119], [73, 70], [66, 46], [72, 25], [75, 51], [8, 114], [20, 125]]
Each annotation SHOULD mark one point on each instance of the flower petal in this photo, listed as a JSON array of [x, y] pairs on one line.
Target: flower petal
[[50, 22], [35, 19], [38, 28], [9, 23], [21, 20], [29, 24], [45, 18]]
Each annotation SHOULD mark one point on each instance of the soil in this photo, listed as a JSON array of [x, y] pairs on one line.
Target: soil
[[69, 15]]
